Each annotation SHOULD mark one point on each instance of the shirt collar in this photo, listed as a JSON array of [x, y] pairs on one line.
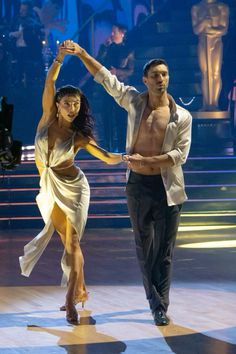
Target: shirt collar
[[173, 107]]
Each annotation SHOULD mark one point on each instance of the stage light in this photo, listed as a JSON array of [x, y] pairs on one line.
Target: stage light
[[210, 244], [205, 227]]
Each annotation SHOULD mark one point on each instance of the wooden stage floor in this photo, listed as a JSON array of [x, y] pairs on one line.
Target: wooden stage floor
[[116, 319]]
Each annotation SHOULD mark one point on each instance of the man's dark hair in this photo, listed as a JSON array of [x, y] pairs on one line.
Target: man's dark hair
[[27, 3], [151, 63], [121, 27]]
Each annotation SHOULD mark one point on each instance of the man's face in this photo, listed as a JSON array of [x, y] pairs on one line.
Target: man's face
[[209, 1], [157, 79], [24, 10], [117, 36]]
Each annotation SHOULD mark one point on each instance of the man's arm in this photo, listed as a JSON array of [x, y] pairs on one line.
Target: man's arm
[[175, 157], [137, 161], [122, 93]]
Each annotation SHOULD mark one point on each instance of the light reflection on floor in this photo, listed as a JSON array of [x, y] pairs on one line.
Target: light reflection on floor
[[117, 318]]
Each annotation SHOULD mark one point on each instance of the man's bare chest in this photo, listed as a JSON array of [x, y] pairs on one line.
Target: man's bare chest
[[155, 122]]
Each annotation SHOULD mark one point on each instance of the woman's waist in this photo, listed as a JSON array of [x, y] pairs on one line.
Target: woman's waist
[[67, 168]]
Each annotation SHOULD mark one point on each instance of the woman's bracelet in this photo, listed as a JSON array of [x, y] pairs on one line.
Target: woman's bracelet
[[58, 61]]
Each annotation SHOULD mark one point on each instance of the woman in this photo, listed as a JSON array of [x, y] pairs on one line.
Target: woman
[[64, 128]]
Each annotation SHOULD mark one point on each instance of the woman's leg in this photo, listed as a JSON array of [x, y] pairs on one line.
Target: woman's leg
[[73, 256], [76, 286]]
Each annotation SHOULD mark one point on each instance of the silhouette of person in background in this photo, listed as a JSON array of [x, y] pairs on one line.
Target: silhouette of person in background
[[26, 31], [5, 68], [118, 57], [210, 22], [115, 55], [49, 15]]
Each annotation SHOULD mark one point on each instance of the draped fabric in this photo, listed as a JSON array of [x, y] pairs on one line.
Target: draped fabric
[[70, 194]]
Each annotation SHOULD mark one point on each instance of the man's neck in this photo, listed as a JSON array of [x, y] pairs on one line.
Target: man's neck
[[158, 101]]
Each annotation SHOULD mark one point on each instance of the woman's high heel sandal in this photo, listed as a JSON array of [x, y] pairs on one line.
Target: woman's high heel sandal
[[63, 307], [72, 315]]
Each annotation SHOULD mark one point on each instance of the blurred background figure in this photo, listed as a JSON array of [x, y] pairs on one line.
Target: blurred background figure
[[5, 65], [210, 22], [117, 56], [27, 35], [49, 13]]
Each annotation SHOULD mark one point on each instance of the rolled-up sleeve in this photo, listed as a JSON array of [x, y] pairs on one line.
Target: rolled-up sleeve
[[118, 90], [182, 144]]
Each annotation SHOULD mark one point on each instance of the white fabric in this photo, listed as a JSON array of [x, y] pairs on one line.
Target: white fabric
[[177, 137], [70, 194]]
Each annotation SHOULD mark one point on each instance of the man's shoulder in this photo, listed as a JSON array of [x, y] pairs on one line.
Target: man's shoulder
[[183, 112]]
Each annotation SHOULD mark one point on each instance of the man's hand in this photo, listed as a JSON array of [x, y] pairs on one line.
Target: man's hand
[[15, 34], [91, 64], [135, 161], [72, 48]]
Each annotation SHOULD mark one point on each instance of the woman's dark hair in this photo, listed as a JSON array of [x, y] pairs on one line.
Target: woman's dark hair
[[84, 121]]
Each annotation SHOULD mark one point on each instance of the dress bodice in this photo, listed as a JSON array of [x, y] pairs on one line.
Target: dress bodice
[[62, 151]]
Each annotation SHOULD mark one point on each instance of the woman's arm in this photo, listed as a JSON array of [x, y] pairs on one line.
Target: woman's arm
[[108, 157], [48, 103]]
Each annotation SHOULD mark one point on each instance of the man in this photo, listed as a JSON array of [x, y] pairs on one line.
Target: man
[[26, 35], [115, 55], [118, 58], [210, 22], [158, 143]]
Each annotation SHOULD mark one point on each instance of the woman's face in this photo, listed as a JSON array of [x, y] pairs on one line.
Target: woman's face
[[68, 107]]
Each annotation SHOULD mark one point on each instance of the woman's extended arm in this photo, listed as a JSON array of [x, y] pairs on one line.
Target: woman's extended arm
[[110, 158], [48, 104]]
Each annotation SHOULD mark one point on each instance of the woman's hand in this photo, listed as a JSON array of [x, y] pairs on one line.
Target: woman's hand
[[72, 48], [135, 161], [91, 64], [61, 52]]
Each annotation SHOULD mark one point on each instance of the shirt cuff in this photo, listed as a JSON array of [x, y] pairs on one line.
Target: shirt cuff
[[174, 155]]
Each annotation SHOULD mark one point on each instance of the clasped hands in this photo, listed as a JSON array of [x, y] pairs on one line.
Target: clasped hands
[[135, 161], [70, 47]]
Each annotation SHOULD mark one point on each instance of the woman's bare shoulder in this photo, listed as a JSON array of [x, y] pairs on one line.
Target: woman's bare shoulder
[[46, 120], [82, 141]]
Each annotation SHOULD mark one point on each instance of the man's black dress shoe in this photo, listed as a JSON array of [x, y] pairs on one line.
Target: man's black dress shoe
[[160, 317]]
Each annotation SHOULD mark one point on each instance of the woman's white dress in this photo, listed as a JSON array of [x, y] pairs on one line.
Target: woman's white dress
[[70, 194]]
